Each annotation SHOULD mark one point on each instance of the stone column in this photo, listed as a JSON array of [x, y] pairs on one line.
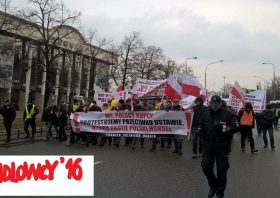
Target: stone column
[[80, 67], [43, 88], [68, 64], [58, 69], [28, 74], [87, 66]]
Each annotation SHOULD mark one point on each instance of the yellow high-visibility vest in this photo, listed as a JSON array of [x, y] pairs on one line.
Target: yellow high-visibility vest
[[91, 105], [29, 115]]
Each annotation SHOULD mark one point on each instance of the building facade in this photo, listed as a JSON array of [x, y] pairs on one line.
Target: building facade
[[24, 74]]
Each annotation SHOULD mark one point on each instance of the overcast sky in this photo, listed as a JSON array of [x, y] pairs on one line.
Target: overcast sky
[[244, 33]]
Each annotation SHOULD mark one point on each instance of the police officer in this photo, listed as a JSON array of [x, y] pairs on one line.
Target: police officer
[[9, 115], [216, 128], [29, 117]]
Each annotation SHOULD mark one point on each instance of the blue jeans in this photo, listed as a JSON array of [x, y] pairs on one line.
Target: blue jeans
[[50, 124]]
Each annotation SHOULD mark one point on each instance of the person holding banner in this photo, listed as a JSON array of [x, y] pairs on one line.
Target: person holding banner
[[138, 107], [128, 102], [92, 106], [76, 107], [216, 128], [178, 141], [247, 123], [105, 108], [198, 110]]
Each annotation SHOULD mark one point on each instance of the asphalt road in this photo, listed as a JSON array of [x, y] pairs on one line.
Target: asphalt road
[[122, 172]]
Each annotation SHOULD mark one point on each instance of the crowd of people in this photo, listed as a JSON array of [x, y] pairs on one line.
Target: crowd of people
[[211, 132]]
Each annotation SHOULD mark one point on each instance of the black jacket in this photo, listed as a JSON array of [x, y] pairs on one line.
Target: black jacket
[[176, 108], [197, 113], [8, 113], [95, 108], [267, 118], [216, 130]]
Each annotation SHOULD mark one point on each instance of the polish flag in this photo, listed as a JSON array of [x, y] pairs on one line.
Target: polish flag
[[190, 86], [238, 92], [120, 87], [173, 89]]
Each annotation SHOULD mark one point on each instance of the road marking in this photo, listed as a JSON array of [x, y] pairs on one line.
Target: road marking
[[98, 162]]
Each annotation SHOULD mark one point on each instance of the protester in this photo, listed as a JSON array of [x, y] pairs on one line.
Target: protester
[[9, 115], [159, 106], [114, 107], [216, 128], [51, 119], [246, 121], [267, 119], [92, 106], [138, 106], [258, 122], [178, 141], [76, 107], [29, 117], [105, 108], [62, 122], [198, 110]]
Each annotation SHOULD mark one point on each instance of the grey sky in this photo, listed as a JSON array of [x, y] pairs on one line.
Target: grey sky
[[244, 33]]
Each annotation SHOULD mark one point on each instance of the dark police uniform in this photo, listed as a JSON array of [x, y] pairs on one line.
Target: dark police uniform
[[216, 129]]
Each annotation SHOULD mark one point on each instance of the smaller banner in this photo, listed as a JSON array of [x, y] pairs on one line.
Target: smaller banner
[[146, 124], [149, 88], [257, 98], [29, 175], [105, 97]]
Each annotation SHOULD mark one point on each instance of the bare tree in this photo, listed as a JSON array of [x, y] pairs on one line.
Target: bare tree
[[97, 45], [128, 48], [48, 19], [146, 62]]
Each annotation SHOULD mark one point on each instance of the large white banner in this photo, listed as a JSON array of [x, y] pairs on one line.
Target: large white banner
[[257, 98], [149, 88], [6, 61], [147, 124]]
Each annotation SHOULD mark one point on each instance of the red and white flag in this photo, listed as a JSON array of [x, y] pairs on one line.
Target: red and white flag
[[120, 87], [238, 92], [173, 89], [190, 86]]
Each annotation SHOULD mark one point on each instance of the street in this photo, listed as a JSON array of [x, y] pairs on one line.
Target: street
[[122, 172]]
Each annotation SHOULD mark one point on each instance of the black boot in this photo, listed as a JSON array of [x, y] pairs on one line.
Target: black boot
[[211, 192]]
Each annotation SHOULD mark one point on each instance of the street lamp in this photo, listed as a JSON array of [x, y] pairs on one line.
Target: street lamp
[[224, 85], [273, 84], [187, 62], [264, 80], [206, 70]]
